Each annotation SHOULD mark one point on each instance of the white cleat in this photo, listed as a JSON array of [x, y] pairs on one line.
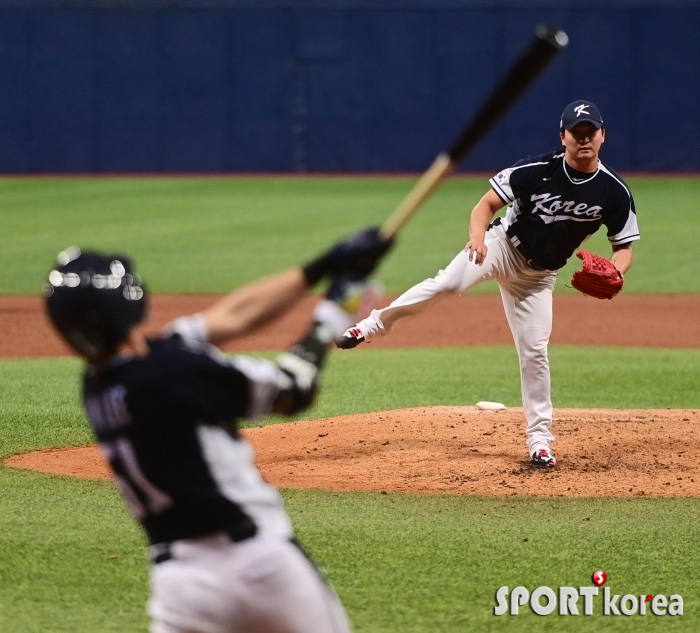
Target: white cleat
[[543, 459]]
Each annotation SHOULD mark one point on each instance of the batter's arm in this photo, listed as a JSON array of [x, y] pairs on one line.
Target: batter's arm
[[622, 257], [481, 217], [251, 305], [258, 302]]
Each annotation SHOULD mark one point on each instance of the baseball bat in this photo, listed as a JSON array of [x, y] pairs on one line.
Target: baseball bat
[[548, 42]]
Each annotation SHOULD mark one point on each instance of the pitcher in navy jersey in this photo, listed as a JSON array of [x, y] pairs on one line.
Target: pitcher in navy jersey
[[165, 411], [556, 201]]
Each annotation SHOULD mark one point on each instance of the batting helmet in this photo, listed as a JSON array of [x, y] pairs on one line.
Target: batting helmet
[[94, 300]]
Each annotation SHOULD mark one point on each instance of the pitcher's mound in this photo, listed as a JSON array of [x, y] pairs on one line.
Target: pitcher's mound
[[463, 451]]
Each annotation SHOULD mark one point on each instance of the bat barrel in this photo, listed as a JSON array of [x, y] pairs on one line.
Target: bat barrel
[[544, 48]]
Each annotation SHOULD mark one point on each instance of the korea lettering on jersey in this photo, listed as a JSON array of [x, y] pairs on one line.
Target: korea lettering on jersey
[[551, 208], [554, 208]]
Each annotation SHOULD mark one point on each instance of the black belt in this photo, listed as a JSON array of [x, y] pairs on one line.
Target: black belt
[[530, 263], [523, 251], [162, 552]]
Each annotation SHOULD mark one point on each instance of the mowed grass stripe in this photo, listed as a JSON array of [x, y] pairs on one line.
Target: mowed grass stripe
[[213, 234]]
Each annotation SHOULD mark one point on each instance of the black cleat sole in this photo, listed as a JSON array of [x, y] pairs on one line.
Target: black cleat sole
[[348, 342]]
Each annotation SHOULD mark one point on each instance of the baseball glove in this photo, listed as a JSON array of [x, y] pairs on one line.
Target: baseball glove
[[599, 277]]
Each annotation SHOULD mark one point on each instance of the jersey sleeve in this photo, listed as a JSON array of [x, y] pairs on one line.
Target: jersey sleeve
[[516, 181], [216, 387], [622, 222], [265, 379]]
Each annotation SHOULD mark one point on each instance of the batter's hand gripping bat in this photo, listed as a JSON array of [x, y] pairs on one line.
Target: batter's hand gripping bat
[[544, 48]]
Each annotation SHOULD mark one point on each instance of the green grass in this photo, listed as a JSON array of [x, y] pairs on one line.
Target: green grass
[[40, 405], [581, 377], [418, 563], [40, 408], [72, 559], [213, 234]]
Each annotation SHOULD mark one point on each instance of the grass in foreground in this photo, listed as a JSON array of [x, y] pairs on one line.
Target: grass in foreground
[[416, 563], [71, 560], [401, 563], [213, 234]]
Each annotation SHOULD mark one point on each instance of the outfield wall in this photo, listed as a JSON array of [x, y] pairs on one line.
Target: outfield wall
[[227, 85]]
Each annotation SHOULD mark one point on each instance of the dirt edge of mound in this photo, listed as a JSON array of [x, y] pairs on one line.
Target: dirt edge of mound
[[459, 450]]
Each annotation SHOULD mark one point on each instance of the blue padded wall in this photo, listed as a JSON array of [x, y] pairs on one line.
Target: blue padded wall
[[14, 97], [131, 76], [328, 86], [62, 90], [262, 81]]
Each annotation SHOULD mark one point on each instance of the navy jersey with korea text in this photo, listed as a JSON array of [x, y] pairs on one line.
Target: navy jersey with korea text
[[555, 208], [166, 421]]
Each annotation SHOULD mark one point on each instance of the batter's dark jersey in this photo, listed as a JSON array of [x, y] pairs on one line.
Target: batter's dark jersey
[[555, 208], [166, 421]]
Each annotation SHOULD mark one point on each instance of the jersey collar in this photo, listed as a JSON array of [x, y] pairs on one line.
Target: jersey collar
[[578, 182]]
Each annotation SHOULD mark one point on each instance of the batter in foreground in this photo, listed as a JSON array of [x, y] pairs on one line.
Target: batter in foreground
[[165, 411], [557, 201]]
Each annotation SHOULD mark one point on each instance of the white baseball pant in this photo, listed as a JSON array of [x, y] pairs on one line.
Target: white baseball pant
[[527, 299], [264, 584]]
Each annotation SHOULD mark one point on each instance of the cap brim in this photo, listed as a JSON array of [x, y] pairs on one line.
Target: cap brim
[[574, 123]]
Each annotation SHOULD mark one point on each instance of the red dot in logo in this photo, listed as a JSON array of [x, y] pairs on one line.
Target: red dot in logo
[[599, 578]]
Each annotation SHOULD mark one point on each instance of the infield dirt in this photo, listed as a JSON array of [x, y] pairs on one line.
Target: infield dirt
[[642, 321]]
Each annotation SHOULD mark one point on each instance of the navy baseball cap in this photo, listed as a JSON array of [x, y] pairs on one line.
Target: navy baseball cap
[[580, 111]]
